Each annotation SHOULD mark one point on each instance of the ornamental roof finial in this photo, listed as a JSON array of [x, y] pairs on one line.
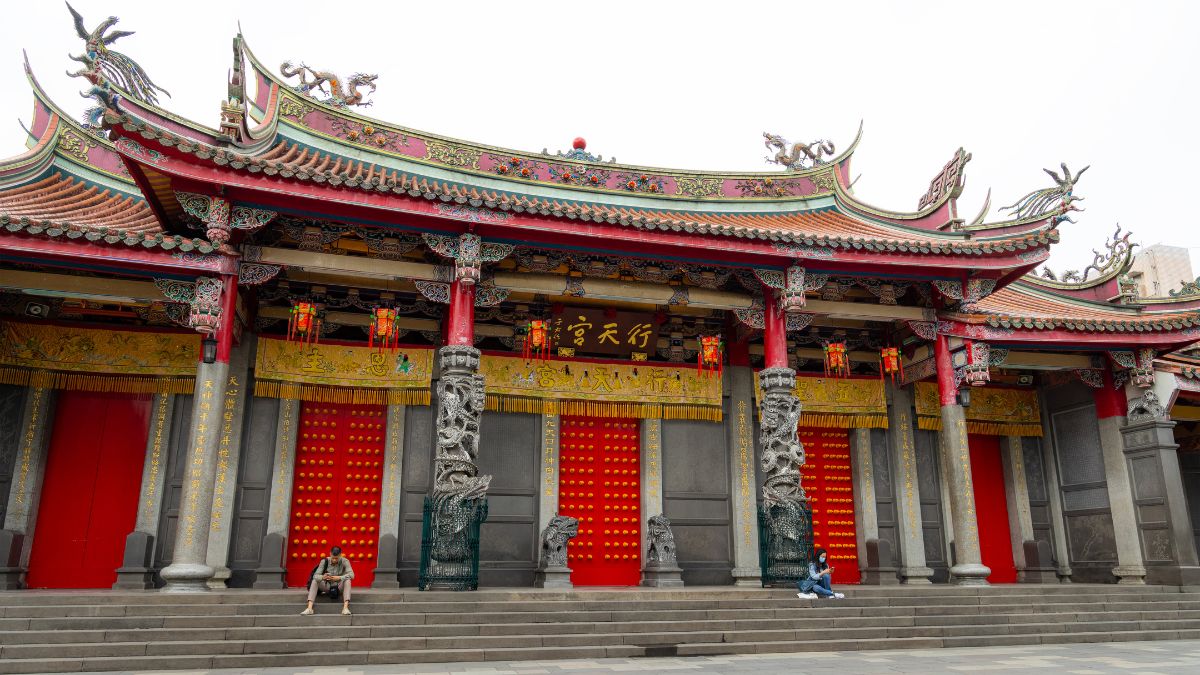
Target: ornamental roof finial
[[105, 68]]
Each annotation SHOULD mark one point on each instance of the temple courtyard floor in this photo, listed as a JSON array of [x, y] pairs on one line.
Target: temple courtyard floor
[[1131, 658]]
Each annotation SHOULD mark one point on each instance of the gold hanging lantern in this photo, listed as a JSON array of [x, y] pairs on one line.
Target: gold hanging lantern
[[383, 328], [837, 363], [712, 349]]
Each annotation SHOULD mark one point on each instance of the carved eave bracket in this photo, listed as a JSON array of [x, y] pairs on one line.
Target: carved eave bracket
[[202, 299], [965, 292], [220, 218], [1136, 367], [256, 274], [469, 252]]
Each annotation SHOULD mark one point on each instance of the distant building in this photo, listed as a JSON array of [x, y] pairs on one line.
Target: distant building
[[1160, 269]]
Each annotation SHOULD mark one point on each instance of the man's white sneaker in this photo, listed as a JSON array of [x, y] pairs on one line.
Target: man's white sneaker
[[307, 612], [345, 610], [839, 596], [807, 596]]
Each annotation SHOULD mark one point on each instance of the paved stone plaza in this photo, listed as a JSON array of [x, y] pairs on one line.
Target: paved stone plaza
[[1133, 658]]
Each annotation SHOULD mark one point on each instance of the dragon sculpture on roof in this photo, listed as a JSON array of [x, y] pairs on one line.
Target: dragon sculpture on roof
[[1054, 201], [107, 68], [800, 156], [1118, 252], [341, 92]]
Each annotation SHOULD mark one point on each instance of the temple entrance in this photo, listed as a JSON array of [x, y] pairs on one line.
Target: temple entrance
[[991, 508], [91, 489], [600, 484], [336, 491], [827, 482]]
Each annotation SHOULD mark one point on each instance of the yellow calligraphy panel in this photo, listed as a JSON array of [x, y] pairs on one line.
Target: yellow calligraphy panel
[[332, 373], [993, 410], [839, 402]]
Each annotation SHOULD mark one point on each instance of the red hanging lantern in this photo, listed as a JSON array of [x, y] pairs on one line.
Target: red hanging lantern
[[305, 324], [890, 363], [537, 340], [383, 328], [837, 363], [712, 349]]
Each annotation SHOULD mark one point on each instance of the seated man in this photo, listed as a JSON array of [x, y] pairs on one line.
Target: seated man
[[331, 576], [817, 583]]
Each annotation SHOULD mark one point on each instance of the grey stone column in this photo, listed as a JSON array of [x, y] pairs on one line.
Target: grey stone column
[[1161, 501], [1131, 567], [188, 571], [271, 572], [548, 483], [16, 539], [739, 426], [968, 569], [387, 574], [1054, 494], [652, 496], [1016, 493], [136, 570], [902, 448], [229, 453], [874, 567], [945, 503]]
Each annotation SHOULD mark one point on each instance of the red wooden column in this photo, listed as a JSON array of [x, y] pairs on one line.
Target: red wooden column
[[968, 569], [774, 332], [1110, 400], [460, 318]]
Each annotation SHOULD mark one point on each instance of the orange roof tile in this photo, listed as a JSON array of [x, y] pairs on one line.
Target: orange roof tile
[[66, 200]]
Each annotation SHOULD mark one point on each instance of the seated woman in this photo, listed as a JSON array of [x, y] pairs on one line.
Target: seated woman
[[817, 583]]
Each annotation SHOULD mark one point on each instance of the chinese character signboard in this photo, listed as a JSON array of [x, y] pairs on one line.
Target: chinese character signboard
[[603, 332]]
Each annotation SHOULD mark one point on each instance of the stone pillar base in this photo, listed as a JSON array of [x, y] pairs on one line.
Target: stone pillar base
[[187, 578], [750, 577], [386, 577], [915, 576], [135, 572], [1041, 576], [11, 572], [879, 576], [1130, 575], [662, 576], [970, 574], [219, 579], [269, 578], [270, 572], [553, 577]]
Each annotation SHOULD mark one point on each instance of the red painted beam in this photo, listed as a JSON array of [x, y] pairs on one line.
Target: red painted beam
[[86, 253], [947, 390]]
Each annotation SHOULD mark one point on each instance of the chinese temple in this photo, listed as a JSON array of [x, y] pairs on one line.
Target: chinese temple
[[227, 348]]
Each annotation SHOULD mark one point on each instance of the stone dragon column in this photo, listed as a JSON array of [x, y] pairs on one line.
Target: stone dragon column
[[785, 506]]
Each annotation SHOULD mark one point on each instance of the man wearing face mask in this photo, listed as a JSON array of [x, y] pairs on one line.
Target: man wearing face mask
[[817, 583]]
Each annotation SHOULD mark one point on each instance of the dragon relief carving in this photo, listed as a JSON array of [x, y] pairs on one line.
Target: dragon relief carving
[[559, 531], [460, 407], [340, 92], [782, 452], [1054, 201], [797, 156], [1118, 250]]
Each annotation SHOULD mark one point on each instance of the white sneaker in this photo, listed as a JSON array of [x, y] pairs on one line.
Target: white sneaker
[[345, 610], [307, 612], [807, 596], [839, 596]]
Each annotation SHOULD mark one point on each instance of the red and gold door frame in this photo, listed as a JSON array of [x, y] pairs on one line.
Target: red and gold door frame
[[827, 480], [600, 485], [336, 493]]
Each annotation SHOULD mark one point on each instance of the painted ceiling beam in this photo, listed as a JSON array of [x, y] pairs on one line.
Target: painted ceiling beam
[[83, 288]]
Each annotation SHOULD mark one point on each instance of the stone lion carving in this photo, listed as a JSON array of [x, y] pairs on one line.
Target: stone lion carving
[[661, 540], [555, 538]]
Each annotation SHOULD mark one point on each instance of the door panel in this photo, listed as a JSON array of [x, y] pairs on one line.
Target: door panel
[[991, 508]]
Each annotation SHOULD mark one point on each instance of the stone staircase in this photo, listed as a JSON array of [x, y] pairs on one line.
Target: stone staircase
[[45, 631]]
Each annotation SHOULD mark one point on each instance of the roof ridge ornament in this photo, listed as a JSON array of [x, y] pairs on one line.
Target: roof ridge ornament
[[105, 68], [578, 153], [339, 92], [1118, 253], [797, 156], [1056, 201]]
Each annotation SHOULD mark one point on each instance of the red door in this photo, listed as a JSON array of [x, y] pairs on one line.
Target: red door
[[90, 491], [600, 484], [336, 491], [991, 508], [828, 484]]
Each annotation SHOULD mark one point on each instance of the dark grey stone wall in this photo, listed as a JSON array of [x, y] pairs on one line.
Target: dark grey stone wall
[[695, 483], [509, 449], [12, 406], [1091, 541], [885, 500], [414, 486], [1189, 466], [929, 483], [253, 488], [181, 426], [1039, 495]]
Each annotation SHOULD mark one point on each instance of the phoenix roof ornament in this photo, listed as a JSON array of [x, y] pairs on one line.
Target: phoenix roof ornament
[[106, 68], [800, 155], [1054, 201], [341, 93]]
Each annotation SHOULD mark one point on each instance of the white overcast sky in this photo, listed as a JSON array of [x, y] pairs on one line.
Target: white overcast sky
[[1021, 85]]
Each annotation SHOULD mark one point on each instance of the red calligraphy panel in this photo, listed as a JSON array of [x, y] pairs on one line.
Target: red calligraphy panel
[[336, 489], [600, 485], [828, 483]]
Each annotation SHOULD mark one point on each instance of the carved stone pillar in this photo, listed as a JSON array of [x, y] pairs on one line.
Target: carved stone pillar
[[229, 453], [968, 568], [548, 484], [16, 539], [1110, 417], [740, 428], [874, 559], [784, 506], [189, 571], [652, 496], [136, 571], [387, 574], [1016, 492], [903, 455], [271, 572]]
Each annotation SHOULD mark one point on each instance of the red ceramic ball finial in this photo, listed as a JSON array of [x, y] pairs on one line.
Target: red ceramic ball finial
[[579, 143]]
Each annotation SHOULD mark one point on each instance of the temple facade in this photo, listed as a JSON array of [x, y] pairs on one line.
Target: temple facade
[[226, 349]]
